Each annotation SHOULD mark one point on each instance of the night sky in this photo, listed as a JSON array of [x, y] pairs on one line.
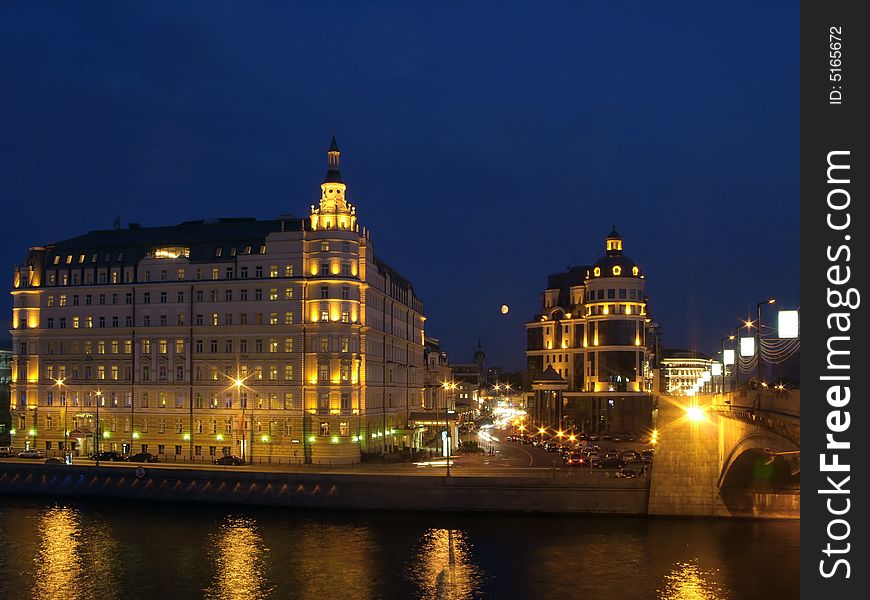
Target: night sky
[[486, 146]]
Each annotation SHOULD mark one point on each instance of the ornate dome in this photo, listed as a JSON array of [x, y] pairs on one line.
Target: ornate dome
[[614, 263]]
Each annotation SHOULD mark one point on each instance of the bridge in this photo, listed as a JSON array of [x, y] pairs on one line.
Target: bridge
[[728, 455]]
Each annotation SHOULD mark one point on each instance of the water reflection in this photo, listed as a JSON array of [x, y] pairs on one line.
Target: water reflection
[[444, 566], [239, 558], [58, 566], [687, 581]]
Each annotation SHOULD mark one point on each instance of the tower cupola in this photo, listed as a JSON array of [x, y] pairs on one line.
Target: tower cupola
[[334, 211]]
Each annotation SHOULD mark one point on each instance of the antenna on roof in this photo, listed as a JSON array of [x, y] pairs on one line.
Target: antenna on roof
[[116, 224]]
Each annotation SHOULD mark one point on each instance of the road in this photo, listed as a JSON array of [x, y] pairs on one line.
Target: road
[[501, 459]]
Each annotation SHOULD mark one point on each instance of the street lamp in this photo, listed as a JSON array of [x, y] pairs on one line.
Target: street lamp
[[98, 433], [238, 383], [724, 362], [758, 335], [59, 383]]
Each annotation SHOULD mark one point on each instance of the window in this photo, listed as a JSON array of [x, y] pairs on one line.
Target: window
[[324, 246], [324, 343], [288, 372], [288, 293], [343, 429], [288, 345], [323, 370], [258, 272], [324, 428], [273, 269], [324, 315], [345, 344], [324, 291], [345, 402], [288, 401]]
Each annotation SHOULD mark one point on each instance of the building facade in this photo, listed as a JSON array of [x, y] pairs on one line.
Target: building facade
[[587, 351], [279, 340], [679, 370]]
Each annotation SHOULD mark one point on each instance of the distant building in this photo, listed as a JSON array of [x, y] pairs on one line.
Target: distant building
[[587, 351], [679, 370], [5, 396], [284, 339]]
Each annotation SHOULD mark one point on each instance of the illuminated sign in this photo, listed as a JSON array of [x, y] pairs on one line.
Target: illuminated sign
[[789, 324]]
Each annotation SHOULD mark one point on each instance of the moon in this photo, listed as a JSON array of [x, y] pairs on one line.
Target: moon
[[504, 309]]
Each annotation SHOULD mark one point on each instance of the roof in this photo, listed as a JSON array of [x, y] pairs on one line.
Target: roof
[[129, 246], [333, 176], [683, 353], [549, 374], [613, 235]]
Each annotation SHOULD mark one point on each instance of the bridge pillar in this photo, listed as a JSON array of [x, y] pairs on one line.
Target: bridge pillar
[[686, 466]]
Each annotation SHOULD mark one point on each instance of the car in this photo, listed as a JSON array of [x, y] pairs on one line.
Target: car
[[575, 460], [610, 454], [145, 457], [31, 454], [646, 456], [610, 463], [551, 447], [630, 437], [607, 437], [109, 456], [6, 451], [617, 438], [625, 474], [630, 456], [229, 459], [593, 437], [54, 460]]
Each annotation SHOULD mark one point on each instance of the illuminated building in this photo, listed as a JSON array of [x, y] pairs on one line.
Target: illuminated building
[[679, 370], [279, 340], [587, 351]]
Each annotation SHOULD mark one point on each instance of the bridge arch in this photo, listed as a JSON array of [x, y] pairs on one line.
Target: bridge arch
[[748, 466]]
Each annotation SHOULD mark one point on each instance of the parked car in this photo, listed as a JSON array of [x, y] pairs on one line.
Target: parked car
[[54, 460], [6, 451], [109, 456], [646, 456], [630, 456], [229, 459], [625, 474], [610, 463], [31, 454], [145, 457], [611, 454]]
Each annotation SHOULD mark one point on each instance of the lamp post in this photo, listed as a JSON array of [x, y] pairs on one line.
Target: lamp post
[[724, 366], [758, 335], [62, 399], [238, 383], [98, 434]]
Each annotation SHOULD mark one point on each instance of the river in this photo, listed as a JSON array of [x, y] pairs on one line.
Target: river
[[105, 549]]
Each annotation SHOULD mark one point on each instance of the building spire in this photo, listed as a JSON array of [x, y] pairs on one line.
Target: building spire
[[333, 156]]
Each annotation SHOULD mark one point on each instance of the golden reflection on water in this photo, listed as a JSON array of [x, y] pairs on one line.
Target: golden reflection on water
[[57, 564], [687, 581], [444, 569], [239, 561]]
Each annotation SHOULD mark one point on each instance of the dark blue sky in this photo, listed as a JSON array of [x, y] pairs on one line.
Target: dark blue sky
[[485, 145]]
